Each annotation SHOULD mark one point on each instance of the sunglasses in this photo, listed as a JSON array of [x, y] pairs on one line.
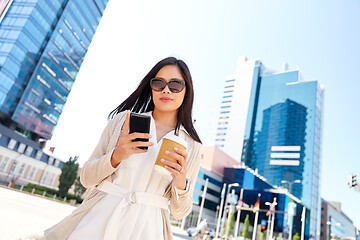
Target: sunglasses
[[175, 85]]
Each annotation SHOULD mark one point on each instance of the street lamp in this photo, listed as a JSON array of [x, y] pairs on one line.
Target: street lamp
[[227, 198], [330, 223], [290, 183], [269, 232]]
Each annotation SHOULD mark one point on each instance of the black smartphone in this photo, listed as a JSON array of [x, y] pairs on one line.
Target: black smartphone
[[140, 123]]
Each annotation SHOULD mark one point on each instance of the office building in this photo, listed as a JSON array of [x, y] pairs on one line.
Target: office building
[[42, 46], [279, 116], [335, 224]]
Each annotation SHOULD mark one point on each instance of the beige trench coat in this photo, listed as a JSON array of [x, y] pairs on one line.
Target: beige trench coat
[[98, 167]]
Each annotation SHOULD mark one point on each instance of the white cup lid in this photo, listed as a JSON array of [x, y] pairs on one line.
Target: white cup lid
[[177, 139]]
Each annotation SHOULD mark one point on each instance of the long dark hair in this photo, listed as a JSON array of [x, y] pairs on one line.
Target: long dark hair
[[140, 100]]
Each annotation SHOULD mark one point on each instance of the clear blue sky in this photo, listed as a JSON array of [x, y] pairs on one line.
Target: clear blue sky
[[322, 38]]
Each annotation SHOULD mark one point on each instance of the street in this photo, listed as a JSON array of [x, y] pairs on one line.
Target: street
[[25, 216]]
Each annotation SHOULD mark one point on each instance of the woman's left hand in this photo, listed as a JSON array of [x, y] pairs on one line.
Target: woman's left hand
[[177, 170]]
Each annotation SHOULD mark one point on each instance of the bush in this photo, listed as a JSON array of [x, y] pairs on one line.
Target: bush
[[50, 192], [38, 188]]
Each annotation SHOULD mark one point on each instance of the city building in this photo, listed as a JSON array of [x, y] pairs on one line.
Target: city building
[[42, 46], [219, 168], [335, 224], [254, 184], [213, 163], [279, 116]]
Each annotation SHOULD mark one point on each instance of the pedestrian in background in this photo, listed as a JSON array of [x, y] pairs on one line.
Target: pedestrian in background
[[132, 201]]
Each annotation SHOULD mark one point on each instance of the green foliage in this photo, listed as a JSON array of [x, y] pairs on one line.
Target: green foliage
[[232, 221], [49, 192], [79, 188], [296, 236], [246, 227], [68, 175], [263, 235]]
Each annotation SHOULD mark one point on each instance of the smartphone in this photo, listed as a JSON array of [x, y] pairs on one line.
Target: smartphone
[[140, 123]]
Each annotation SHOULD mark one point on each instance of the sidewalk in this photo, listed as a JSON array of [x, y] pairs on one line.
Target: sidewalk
[[25, 216]]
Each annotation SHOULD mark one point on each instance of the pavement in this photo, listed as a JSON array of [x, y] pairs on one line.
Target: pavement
[[24, 216]]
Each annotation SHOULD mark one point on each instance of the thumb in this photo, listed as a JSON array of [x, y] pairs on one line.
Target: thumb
[[126, 126]]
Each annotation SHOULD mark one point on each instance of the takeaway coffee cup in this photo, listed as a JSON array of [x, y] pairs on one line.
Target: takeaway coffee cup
[[168, 144]]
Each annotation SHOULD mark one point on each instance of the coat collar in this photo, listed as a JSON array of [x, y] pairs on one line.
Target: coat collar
[[182, 128]]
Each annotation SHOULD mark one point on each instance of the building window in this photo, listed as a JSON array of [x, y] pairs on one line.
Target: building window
[[45, 177], [52, 178], [3, 164], [28, 151], [225, 106], [51, 160], [231, 80], [227, 96], [21, 170], [38, 155], [12, 144], [230, 86], [32, 173], [229, 91], [13, 167], [21, 148], [57, 163], [228, 101], [223, 112]]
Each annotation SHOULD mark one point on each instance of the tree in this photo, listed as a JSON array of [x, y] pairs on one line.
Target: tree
[[263, 235], [68, 175], [79, 188], [296, 236], [232, 221], [246, 227]]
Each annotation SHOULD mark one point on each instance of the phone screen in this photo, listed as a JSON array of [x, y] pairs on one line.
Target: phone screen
[[140, 123]]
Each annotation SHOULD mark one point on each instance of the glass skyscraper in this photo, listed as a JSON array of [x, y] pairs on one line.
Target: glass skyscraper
[[282, 132], [42, 46]]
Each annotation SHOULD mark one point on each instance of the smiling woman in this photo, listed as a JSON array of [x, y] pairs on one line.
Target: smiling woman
[[131, 200]]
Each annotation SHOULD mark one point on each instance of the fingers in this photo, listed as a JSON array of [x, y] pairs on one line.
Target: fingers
[[172, 165], [141, 144], [173, 171], [135, 135], [179, 155], [139, 150], [126, 123]]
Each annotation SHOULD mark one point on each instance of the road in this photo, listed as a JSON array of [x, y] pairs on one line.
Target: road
[[25, 216]]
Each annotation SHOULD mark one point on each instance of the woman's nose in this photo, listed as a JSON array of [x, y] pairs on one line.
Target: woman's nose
[[166, 89]]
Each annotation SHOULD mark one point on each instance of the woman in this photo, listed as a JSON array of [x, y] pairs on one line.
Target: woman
[[132, 201]]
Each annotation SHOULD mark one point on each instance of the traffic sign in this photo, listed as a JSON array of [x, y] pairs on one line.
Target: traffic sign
[[233, 199]]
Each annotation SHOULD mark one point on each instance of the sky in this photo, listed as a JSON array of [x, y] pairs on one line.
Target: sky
[[321, 38]]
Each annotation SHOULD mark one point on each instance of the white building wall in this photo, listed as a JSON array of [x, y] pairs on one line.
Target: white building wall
[[232, 141], [9, 156]]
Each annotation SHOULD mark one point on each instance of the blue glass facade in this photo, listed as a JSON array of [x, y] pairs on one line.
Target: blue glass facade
[[253, 185], [42, 46], [282, 134]]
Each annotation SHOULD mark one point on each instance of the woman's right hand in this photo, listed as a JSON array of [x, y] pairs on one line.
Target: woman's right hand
[[125, 147]]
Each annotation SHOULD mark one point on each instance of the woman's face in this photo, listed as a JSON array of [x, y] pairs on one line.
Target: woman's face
[[165, 100]]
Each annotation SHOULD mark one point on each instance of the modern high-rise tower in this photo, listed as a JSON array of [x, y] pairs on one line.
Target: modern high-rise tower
[[271, 121], [42, 46]]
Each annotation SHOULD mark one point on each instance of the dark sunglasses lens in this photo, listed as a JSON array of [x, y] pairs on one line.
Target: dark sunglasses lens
[[176, 86], [157, 85]]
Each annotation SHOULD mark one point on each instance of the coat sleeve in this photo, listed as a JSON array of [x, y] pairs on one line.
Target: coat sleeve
[[99, 166], [181, 203]]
